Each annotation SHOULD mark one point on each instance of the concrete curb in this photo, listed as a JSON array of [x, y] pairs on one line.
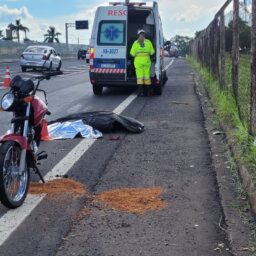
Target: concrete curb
[[249, 186], [238, 225]]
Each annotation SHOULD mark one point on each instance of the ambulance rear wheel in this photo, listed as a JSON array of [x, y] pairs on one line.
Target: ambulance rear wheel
[[158, 90], [97, 89], [165, 78]]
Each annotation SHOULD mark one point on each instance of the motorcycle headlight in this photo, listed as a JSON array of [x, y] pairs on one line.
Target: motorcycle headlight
[[7, 101]]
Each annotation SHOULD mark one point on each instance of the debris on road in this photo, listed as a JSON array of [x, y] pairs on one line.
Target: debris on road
[[133, 200], [114, 137], [58, 186], [83, 213], [180, 103], [218, 133]]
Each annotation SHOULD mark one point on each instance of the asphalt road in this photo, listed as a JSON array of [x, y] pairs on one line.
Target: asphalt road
[[172, 153]]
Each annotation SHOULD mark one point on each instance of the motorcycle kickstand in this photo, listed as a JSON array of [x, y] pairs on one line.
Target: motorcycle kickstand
[[36, 170]]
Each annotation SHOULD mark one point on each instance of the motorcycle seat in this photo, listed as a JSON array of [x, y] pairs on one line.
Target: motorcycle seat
[[22, 85]]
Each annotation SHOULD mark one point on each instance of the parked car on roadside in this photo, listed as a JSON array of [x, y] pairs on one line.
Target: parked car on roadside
[[83, 54], [40, 57]]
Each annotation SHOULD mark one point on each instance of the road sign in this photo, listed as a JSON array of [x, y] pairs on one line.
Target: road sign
[[82, 24]]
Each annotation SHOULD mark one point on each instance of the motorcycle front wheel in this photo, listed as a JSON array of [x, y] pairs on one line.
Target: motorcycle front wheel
[[13, 186]]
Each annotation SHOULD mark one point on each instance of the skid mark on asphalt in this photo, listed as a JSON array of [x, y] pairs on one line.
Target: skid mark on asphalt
[[11, 220]]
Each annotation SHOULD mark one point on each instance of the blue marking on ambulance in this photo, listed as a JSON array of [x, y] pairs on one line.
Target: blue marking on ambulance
[[113, 63]]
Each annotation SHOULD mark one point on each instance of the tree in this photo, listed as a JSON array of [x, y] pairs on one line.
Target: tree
[[198, 34], [182, 43], [52, 35], [244, 34], [17, 27]]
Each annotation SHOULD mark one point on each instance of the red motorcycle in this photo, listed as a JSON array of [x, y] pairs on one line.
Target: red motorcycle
[[19, 148]]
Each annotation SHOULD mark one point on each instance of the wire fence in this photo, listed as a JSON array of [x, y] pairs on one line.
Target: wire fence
[[227, 48]]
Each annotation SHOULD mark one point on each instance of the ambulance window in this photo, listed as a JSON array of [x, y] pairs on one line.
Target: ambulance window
[[111, 33]]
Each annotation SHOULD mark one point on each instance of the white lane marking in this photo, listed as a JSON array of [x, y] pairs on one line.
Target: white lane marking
[[70, 159], [4, 88], [13, 218], [171, 62], [74, 109], [10, 221], [125, 103]]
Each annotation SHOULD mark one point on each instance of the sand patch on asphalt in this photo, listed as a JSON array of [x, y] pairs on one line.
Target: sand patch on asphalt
[[58, 186], [133, 200]]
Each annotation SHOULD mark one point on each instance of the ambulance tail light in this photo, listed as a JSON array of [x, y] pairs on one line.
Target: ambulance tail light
[[162, 52], [91, 57]]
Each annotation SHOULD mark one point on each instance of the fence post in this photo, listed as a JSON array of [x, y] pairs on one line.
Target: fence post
[[235, 50], [222, 51], [253, 71], [216, 47]]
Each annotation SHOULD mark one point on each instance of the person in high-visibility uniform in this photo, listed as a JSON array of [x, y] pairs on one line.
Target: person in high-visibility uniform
[[141, 50]]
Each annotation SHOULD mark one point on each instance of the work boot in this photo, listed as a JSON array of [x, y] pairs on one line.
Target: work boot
[[146, 90]]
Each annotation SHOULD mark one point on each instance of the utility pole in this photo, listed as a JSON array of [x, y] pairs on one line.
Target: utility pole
[[68, 25]]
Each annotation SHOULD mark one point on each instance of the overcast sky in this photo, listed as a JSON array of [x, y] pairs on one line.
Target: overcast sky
[[179, 17]]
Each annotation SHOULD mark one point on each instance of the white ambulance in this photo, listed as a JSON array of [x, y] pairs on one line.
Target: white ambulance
[[114, 31]]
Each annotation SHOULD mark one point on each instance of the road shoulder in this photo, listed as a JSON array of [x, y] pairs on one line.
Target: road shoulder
[[173, 154], [237, 221]]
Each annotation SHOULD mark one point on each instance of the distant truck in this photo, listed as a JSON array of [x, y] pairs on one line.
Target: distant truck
[[114, 31], [174, 52]]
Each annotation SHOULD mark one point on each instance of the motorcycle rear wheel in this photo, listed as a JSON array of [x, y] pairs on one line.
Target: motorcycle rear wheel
[[13, 187]]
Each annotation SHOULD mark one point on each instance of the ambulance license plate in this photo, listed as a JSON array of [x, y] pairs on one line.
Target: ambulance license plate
[[108, 66]]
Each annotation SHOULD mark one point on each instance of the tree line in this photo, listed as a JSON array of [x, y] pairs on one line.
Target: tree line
[[182, 42], [244, 36], [51, 35]]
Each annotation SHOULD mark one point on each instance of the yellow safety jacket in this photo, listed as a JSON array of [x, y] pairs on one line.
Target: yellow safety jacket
[[142, 52]]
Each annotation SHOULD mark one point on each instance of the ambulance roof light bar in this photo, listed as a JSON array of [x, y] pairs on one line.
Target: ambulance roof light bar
[[127, 2]]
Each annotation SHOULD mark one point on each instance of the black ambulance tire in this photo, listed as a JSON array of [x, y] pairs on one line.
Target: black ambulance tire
[[97, 89], [165, 78]]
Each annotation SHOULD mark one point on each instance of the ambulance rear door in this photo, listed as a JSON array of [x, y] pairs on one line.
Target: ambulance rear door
[[111, 43], [159, 43]]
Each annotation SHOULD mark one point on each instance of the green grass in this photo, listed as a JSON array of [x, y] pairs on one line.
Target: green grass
[[244, 85], [227, 111]]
